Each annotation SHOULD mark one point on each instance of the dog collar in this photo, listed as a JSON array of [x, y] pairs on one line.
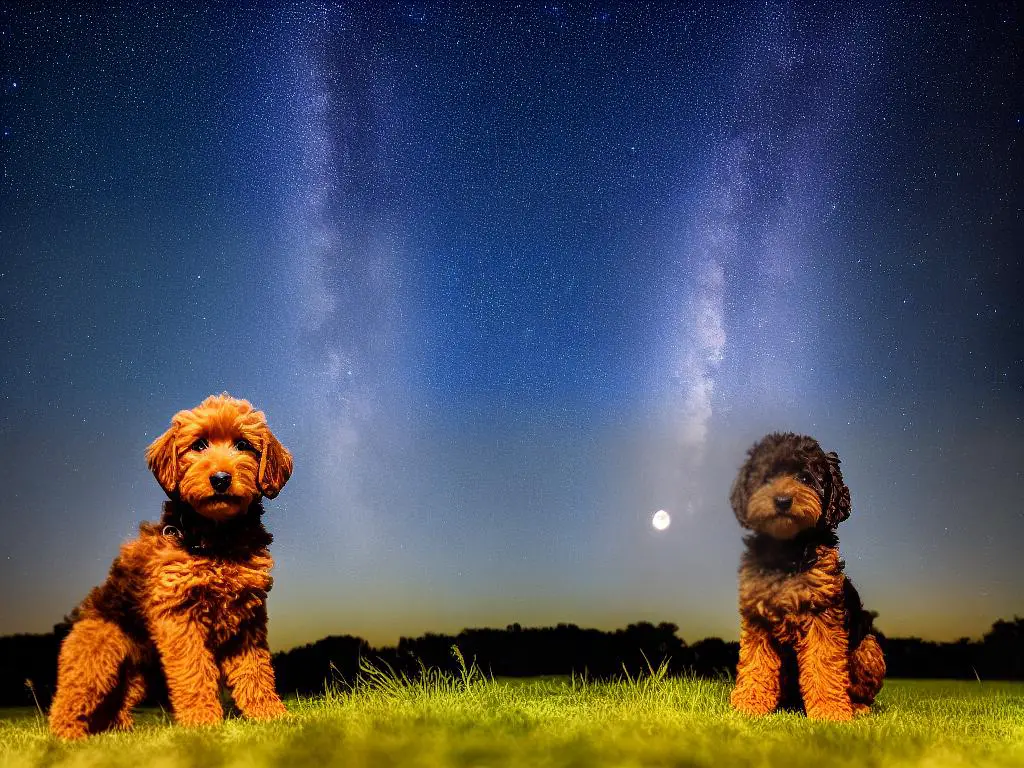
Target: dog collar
[[172, 532]]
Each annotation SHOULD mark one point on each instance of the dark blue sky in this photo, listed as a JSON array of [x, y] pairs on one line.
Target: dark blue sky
[[509, 279]]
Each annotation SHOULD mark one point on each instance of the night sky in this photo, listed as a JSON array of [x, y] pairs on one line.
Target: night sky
[[509, 279]]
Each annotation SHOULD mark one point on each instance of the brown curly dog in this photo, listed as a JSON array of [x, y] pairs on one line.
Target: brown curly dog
[[804, 634], [191, 590]]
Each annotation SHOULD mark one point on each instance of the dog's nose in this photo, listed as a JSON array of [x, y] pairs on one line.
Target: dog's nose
[[220, 481], [783, 503]]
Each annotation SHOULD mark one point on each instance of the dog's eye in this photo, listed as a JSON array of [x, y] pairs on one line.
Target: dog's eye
[[200, 445], [805, 478], [241, 444]]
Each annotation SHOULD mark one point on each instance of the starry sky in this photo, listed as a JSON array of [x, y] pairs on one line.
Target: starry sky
[[509, 278]]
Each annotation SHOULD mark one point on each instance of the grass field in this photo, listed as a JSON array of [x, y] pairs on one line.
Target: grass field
[[559, 722]]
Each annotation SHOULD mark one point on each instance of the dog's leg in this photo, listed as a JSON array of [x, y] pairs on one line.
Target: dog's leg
[[193, 680], [822, 654], [87, 673], [135, 691], [758, 683], [249, 674], [867, 671]]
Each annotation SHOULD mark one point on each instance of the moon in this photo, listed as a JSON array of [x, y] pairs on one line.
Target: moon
[[661, 520]]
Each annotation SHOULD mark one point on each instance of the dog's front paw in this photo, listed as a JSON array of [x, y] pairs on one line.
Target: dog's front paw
[[266, 710], [123, 722], [751, 701], [69, 729], [194, 716], [840, 711]]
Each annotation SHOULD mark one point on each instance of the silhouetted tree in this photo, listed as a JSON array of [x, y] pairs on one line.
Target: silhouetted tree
[[309, 668], [24, 658], [1002, 652], [714, 658]]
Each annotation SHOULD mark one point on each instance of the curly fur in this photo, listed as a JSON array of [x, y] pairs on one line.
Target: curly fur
[[804, 634], [189, 594]]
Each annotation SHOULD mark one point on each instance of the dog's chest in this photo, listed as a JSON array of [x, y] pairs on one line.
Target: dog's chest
[[787, 597], [220, 595]]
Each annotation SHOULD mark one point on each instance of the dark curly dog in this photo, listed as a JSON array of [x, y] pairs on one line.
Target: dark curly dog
[[191, 590], [804, 634]]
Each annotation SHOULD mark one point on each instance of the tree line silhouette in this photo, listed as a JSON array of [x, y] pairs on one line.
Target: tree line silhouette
[[28, 663]]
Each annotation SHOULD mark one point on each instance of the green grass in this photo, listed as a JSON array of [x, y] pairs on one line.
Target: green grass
[[470, 721]]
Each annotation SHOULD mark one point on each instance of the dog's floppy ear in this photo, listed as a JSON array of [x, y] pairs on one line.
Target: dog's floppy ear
[[838, 507], [738, 496], [275, 465], [162, 458]]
